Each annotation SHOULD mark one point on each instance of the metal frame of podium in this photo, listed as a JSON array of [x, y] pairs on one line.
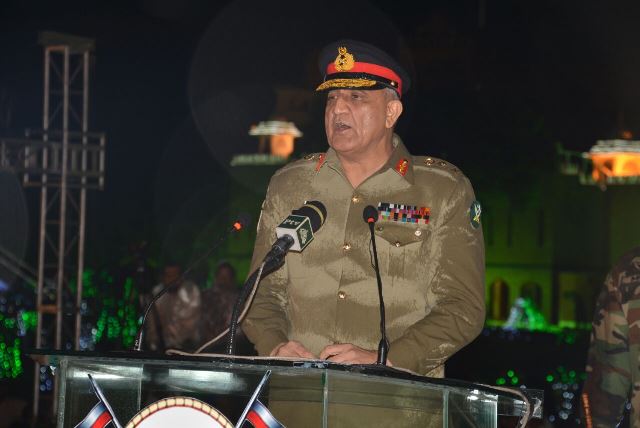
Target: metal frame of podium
[[300, 393]]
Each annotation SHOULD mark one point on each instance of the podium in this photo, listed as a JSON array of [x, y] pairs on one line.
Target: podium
[[300, 393]]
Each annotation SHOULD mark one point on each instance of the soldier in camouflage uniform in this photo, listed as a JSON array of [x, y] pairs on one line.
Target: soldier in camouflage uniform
[[613, 365], [323, 302]]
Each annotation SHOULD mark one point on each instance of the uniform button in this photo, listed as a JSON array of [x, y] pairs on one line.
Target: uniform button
[[355, 199], [346, 246], [417, 232], [397, 244], [342, 295]]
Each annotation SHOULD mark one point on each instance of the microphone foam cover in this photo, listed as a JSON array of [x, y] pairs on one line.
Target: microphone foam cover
[[315, 211], [370, 214]]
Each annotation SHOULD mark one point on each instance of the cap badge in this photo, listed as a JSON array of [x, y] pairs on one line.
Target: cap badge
[[344, 61]]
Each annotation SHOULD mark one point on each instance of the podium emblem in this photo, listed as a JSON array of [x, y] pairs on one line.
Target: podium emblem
[[180, 412]]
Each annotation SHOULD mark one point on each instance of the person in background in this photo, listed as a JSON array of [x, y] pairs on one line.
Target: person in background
[[613, 362], [175, 317], [219, 299]]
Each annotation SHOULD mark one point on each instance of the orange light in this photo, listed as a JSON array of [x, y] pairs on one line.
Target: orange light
[[615, 164], [237, 225], [282, 145]]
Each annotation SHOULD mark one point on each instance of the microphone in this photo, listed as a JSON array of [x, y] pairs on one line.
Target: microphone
[[370, 216], [242, 221], [296, 231]]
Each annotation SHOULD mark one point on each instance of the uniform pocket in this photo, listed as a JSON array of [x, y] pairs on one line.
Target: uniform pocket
[[401, 243]]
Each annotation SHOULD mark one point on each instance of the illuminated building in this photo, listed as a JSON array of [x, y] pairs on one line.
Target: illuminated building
[[615, 161], [281, 137]]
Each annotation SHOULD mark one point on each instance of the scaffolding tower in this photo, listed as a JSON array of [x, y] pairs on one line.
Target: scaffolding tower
[[63, 160]]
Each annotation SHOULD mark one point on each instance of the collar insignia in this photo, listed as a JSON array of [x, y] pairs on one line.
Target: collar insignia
[[402, 166], [321, 158]]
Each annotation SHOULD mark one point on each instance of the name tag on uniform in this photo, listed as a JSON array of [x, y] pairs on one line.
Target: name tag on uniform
[[388, 211]]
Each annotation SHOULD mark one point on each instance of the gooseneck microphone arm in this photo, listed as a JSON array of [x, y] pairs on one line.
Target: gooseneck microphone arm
[[370, 215], [237, 226], [271, 262], [279, 249], [248, 286]]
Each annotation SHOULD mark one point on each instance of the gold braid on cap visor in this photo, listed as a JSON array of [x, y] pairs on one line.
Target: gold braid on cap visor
[[346, 83]]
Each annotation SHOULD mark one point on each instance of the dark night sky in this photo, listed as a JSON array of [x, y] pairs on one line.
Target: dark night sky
[[177, 83]]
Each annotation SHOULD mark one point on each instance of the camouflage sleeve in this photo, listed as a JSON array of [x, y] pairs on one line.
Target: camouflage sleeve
[[458, 316], [608, 382], [266, 324]]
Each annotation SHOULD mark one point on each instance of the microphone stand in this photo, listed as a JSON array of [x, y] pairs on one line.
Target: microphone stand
[[140, 336], [383, 346], [271, 262]]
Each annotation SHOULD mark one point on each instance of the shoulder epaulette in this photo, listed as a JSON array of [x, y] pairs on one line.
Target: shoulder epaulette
[[432, 162], [304, 162]]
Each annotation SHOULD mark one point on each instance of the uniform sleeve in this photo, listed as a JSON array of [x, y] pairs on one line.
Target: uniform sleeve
[[608, 383], [458, 287], [266, 324]]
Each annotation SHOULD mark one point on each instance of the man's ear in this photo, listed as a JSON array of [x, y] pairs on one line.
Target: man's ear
[[394, 110]]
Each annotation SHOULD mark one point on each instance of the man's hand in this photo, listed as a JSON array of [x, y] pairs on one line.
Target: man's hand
[[291, 349], [346, 353]]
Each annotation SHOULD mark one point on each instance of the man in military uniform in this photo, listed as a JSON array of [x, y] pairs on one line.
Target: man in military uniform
[[323, 303], [613, 364]]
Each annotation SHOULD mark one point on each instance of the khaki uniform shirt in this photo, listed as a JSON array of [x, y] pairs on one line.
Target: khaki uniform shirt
[[432, 274]]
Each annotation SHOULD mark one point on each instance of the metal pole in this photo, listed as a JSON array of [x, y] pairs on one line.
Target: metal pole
[[43, 230], [63, 199], [101, 167], [83, 196]]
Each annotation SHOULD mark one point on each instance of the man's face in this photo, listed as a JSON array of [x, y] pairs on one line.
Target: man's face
[[225, 276], [170, 274], [354, 120]]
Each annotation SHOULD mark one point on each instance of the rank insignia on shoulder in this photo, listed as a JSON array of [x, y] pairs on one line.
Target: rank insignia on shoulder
[[402, 166], [403, 213], [474, 214]]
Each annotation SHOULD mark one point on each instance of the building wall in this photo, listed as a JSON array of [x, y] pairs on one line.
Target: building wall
[[561, 235], [518, 242], [624, 227]]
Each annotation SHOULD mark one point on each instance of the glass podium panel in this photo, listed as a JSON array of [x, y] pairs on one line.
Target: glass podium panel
[[120, 383], [385, 402], [299, 394]]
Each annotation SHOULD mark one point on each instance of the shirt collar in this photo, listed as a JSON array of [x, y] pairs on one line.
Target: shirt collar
[[400, 161]]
